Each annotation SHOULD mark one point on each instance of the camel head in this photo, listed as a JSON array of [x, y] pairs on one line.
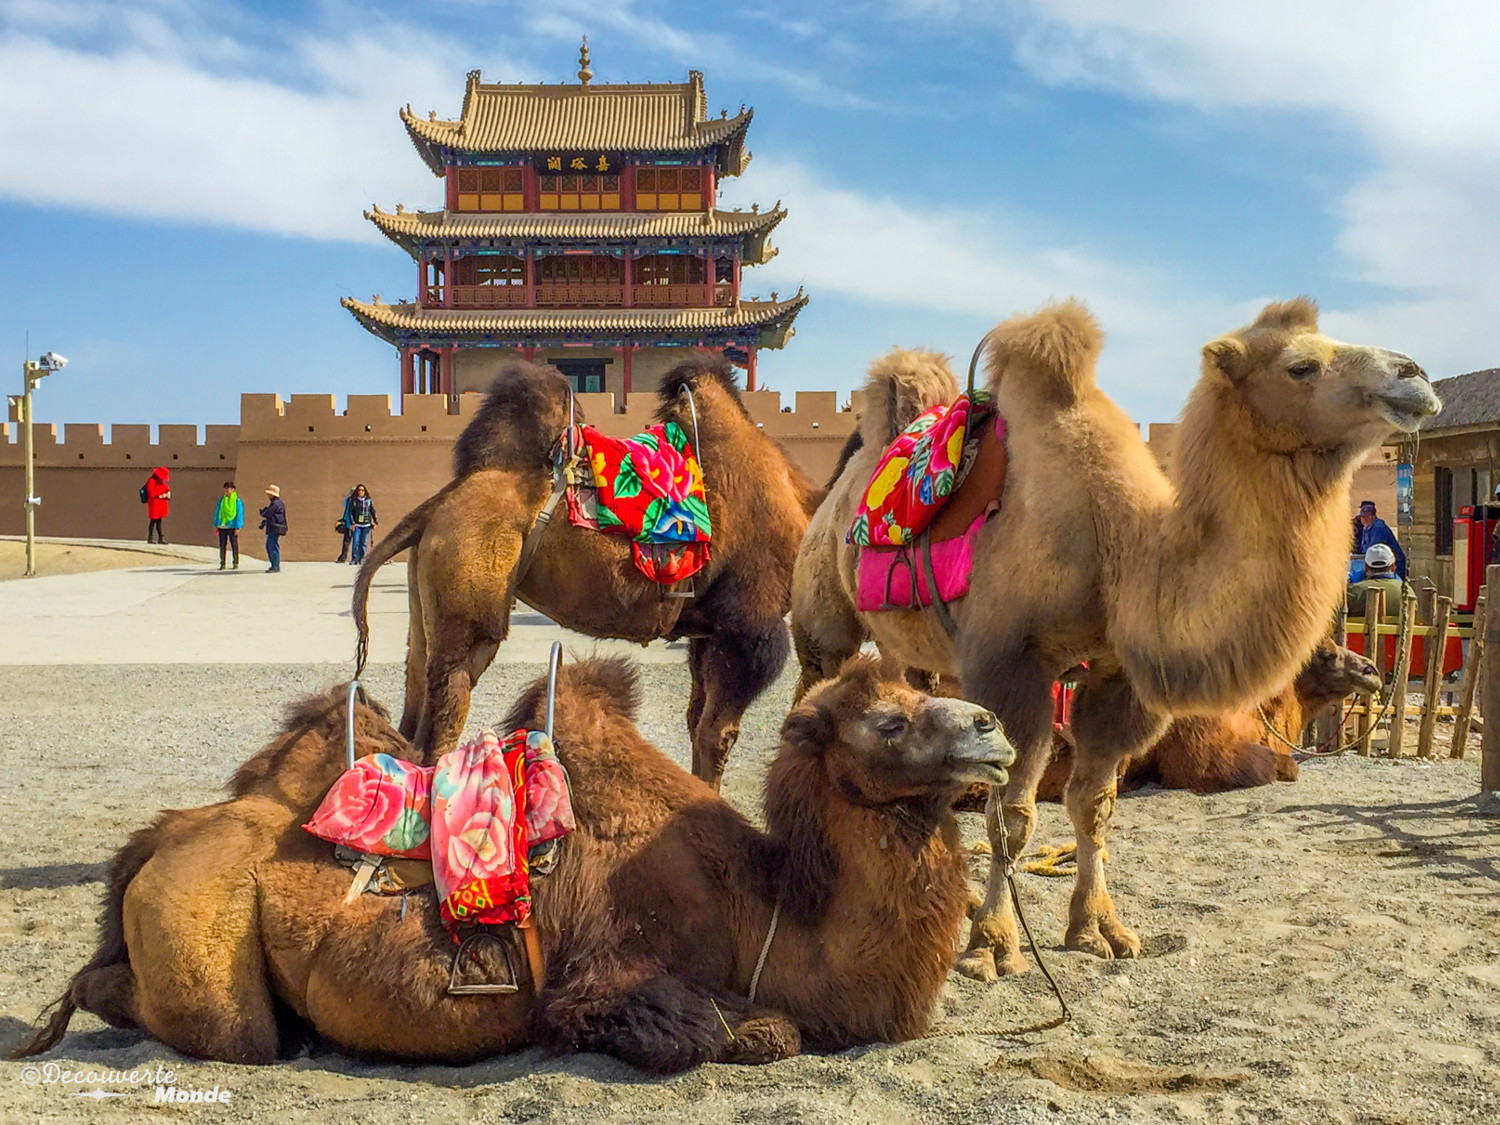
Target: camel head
[[882, 741], [1302, 391], [1333, 672]]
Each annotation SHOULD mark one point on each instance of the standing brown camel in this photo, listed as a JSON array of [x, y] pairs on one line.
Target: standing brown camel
[[1096, 557], [1212, 753], [466, 543], [225, 932]]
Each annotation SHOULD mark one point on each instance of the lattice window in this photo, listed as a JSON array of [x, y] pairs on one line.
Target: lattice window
[[491, 189], [580, 269], [579, 193], [489, 269], [668, 189], [669, 269]]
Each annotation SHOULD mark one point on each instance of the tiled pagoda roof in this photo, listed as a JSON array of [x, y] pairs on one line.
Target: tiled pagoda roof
[[410, 228], [772, 321], [658, 117]]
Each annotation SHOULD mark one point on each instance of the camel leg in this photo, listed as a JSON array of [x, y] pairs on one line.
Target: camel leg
[[416, 653], [1109, 723], [1021, 697], [824, 640], [450, 684], [730, 669]]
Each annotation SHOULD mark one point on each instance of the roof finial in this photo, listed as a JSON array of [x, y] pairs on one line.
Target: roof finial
[[584, 73]]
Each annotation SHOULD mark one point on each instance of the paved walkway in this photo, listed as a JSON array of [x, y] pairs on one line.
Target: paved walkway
[[184, 610]]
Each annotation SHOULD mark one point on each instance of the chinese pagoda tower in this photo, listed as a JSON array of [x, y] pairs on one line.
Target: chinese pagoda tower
[[578, 228]]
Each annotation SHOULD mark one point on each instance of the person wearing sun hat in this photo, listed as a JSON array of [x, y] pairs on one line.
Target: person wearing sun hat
[[273, 519]]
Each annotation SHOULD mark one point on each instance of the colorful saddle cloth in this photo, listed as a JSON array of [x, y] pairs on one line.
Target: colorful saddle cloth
[[476, 816], [649, 488], [917, 473]]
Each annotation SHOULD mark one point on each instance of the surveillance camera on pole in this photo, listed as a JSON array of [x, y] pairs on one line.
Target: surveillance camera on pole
[[31, 375]]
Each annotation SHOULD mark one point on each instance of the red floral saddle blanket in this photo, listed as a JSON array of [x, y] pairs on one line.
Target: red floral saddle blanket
[[943, 477], [479, 816], [649, 488]]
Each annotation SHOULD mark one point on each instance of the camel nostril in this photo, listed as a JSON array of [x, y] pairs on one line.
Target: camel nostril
[[1410, 370], [1368, 670], [985, 722]]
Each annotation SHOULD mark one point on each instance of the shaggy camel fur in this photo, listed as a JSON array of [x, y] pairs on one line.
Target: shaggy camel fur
[[466, 543], [1213, 753], [226, 935], [1095, 556]]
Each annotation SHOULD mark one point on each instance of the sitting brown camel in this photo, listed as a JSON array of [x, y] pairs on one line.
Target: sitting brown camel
[[466, 546], [225, 932], [1096, 557], [1215, 753]]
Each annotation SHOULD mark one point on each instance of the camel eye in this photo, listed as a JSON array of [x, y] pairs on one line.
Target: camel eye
[[890, 726], [1304, 370]]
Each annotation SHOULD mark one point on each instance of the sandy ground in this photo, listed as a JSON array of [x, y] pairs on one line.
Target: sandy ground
[[1325, 951], [53, 558]]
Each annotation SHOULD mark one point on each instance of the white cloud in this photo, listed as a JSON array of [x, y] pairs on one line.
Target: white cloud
[[1413, 84]]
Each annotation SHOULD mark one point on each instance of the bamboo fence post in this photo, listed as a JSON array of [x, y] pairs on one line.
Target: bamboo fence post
[[1489, 761], [1432, 689], [1465, 713], [1403, 672], [1327, 727], [1375, 654]]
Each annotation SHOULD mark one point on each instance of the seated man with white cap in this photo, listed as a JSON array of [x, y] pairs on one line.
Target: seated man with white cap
[[1380, 573]]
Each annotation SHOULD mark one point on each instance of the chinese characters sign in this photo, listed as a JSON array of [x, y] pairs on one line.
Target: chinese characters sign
[[578, 163]]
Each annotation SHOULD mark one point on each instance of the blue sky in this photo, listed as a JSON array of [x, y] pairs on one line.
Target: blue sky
[[181, 182]]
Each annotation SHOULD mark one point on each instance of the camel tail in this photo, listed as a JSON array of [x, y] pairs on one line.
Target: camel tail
[[1053, 349], [900, 385], [406, 534], [111, 951]]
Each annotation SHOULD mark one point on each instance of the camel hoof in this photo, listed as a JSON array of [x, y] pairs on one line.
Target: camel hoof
[[1088, 939], [1121, 938], [978, 964], [1012, 964]]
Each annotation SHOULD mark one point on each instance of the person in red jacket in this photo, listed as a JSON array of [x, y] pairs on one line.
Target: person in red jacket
[[158, 493]]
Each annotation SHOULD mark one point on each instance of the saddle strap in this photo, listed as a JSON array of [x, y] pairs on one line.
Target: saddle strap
[[944, 614], [534, 538]]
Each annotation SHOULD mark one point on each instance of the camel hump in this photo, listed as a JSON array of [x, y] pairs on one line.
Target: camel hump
[[518, 422], [699, 368], [901, 385], [607, 684], [1053, 349]]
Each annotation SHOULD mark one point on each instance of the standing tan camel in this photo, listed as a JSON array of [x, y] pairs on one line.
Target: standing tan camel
[[466, 542], [1095, 556], [225, 932]]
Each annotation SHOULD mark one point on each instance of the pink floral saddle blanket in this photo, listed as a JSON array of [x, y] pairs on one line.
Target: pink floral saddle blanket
[[648, 488], [478, 816]]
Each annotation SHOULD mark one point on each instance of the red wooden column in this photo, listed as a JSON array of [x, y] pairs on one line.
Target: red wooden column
[[629, 301], [627, 188], [408, 373], [708, 279], [530, 278], [447, 279], [445, 370], [531, 189], [750, 383], [450, 188], [627, 353], [736, 295], [708, 186]]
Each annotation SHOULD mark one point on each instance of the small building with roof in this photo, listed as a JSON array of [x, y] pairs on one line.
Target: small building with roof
[[1455, 461], [579, 228]]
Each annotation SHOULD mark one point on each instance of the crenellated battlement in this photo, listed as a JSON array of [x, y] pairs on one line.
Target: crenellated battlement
[[82, 445]]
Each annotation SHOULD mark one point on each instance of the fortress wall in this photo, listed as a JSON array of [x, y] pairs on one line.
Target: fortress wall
[[91, 488], [315, 454]]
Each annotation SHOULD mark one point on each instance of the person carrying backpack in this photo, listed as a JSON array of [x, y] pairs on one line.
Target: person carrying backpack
[[273, 519], [362, 521], [155, 494]]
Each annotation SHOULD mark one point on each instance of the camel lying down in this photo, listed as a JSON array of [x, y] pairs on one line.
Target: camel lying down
[[225, 933]]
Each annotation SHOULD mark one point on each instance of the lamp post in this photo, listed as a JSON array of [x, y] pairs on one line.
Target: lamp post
[[32, 374]]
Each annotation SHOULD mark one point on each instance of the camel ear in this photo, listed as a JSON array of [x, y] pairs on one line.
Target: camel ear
[[1229, 356]]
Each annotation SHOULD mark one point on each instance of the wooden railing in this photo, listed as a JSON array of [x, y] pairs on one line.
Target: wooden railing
[[579, 296], [489, 296], [680, 296]]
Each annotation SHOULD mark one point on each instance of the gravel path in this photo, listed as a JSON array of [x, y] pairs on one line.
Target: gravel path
[[1326, 951]]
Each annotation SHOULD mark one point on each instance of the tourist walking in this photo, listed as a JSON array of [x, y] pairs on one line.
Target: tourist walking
[[273, 519], [157, 492], [361, 521], [342, 527], [229, 517]]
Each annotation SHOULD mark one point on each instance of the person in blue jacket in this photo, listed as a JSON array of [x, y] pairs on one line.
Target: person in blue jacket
[[229, 517], [1370, 529]]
